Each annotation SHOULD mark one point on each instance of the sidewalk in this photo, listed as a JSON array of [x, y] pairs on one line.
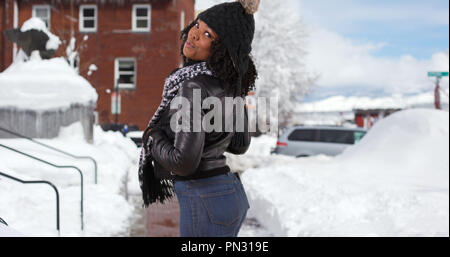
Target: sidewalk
[[163, 220]]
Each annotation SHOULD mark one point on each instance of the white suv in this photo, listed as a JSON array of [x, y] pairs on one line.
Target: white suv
[[303, 141]]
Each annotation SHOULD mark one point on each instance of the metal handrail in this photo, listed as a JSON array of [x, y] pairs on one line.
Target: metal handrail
[[3, 221], [39, 182], [56, 166], [54, 149]]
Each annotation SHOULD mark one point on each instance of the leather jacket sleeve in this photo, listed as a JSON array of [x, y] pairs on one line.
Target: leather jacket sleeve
[[241, 148], [184, 155]]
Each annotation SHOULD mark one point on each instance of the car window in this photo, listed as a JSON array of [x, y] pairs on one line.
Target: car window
[[336, 136], [309, 135]]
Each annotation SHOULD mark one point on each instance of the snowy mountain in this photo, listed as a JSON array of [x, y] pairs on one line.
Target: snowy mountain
[[341, 101]]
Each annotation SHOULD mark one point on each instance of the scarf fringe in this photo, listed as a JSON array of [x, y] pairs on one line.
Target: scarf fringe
[[154, 189]]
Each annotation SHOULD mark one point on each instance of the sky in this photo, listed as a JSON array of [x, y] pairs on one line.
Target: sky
[[416, 27], [369, 47]]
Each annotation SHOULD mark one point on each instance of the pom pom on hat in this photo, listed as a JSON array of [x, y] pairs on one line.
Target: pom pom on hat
[[250, 6]]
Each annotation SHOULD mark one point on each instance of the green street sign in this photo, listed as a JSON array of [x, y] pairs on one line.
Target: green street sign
[[438, 74]]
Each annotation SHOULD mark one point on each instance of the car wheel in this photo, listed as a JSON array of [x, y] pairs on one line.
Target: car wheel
[[302, 156]]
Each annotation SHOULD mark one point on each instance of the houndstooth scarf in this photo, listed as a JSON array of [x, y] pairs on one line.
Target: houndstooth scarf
[[153, 188]]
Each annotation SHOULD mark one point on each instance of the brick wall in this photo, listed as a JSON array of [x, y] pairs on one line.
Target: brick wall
[[6, 22], [2, 20], [156, 53]]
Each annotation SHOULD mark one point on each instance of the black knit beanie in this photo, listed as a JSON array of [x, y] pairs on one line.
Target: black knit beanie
[[235, 25]]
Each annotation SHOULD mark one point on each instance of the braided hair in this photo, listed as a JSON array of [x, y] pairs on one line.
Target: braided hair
[[220, 63]]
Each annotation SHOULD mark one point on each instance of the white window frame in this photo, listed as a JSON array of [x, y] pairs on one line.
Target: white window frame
[[128, 86], [182, 20], [82, 18], [43, 6], [134, 18]]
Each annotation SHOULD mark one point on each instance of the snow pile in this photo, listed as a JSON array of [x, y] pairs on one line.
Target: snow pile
[[412, 144], [5, 231], [31, 209], [37, 24], [394, 182], [44, 85], [258, 152]]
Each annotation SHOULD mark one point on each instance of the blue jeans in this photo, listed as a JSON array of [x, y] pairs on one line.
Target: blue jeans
[[211, 207]]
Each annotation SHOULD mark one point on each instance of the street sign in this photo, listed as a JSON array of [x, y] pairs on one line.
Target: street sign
[[438, 74]]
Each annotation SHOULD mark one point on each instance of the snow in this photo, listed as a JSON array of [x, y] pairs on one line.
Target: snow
[[31, 209], [5, 231], [92, 68], [349, 103], [38, 24], [70, 50], [43, 85], [394, 182], [135, 134]]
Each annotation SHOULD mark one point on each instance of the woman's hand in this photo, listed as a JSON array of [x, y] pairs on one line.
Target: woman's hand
[[147, 133], [147, 138]]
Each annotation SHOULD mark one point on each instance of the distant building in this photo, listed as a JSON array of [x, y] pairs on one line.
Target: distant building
[[368, 117], [132, 44]]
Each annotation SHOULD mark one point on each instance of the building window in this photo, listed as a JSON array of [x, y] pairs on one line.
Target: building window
[[125, 73], [88, 18], [42, 12], [142, 17]]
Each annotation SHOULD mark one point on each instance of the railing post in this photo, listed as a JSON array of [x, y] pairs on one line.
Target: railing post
[[54, 149], [41, 182]]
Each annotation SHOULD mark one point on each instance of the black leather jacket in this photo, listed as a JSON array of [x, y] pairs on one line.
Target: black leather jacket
[[185, 155]]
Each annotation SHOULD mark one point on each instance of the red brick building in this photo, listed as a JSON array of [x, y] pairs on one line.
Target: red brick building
[[133, 43]]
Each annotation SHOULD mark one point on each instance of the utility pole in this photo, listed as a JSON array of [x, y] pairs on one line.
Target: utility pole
[[116, 102], [116, 120], [437, 96], [71, 20]]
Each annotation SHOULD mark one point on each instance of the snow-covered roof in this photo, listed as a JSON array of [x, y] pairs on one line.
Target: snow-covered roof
[[44, 85], [349, 103]]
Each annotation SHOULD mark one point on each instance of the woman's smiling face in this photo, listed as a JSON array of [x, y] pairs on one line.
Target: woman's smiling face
[[198, 42]]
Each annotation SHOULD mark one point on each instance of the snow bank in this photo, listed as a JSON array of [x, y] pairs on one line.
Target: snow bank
[[44, 85], [6, 231], [394, 182], [412, 145], [31, 209], [259, 151]]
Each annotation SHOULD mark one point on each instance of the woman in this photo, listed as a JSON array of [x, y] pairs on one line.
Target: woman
[[216, 51]]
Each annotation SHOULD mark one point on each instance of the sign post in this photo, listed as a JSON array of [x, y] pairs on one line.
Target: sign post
[[437, 96], [116, 103]]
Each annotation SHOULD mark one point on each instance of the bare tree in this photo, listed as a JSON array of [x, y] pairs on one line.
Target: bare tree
[[279, 50]]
